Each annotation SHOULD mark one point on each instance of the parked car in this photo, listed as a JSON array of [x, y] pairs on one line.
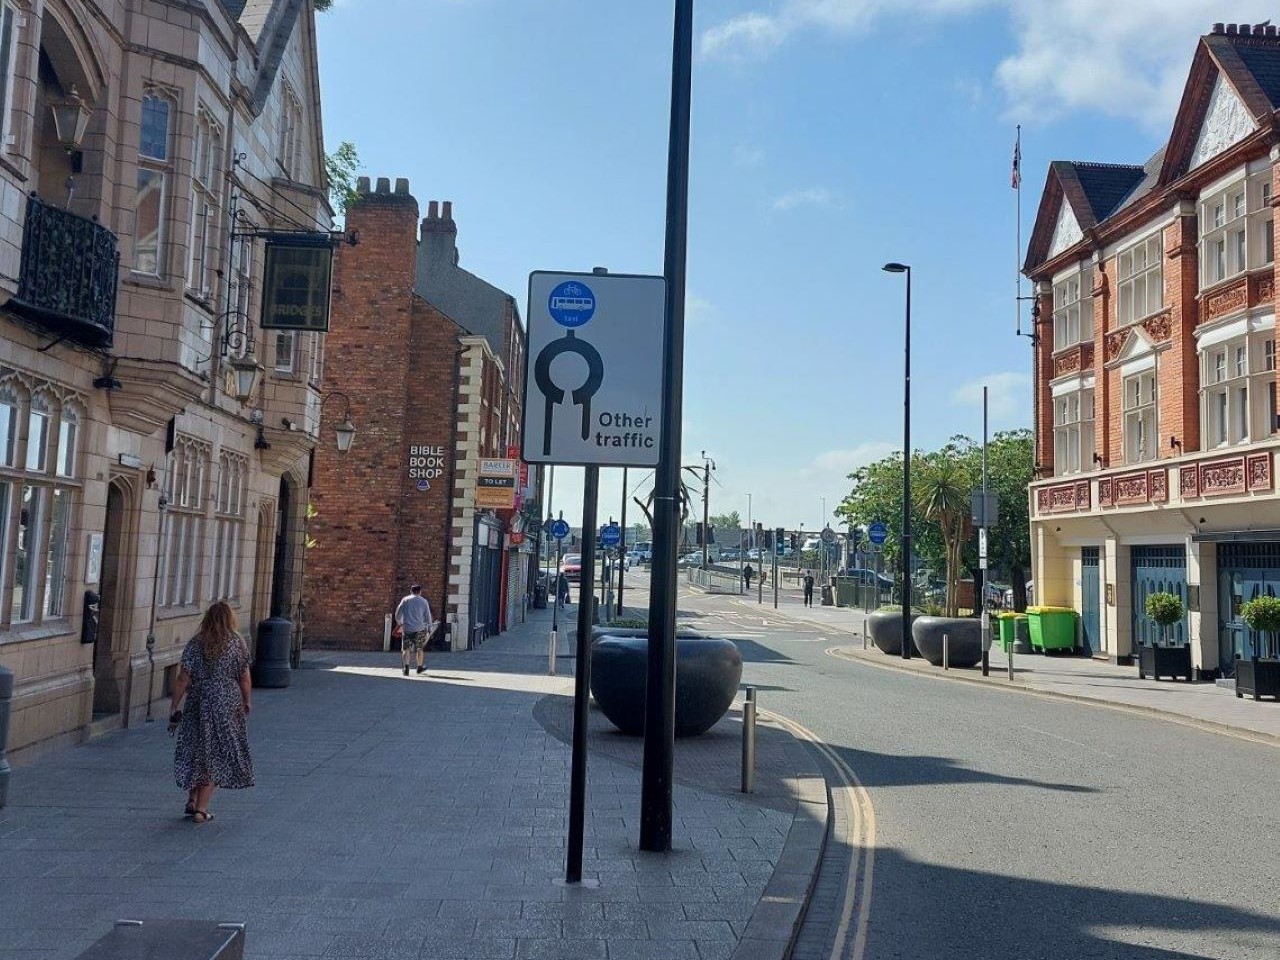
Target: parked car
[[571, 565], [643, 551], [730, 553]]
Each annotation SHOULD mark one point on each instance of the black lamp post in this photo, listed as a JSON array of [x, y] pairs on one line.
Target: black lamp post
[[906, 470]]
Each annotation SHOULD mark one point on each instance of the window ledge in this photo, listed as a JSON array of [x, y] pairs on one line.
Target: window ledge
[[148, 281], [177, 613], [24, 632]]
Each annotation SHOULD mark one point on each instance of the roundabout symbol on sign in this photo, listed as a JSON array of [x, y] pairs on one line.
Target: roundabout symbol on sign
[[560, 529]]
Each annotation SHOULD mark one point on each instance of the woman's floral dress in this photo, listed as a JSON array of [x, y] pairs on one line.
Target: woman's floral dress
[[213, 740]]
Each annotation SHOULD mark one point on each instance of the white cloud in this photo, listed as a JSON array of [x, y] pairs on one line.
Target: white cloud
[[1008, 396], [745, 155], [811, 197], [840, 463], [1126, 59]]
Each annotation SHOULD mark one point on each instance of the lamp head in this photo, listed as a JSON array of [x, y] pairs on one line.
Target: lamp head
[[895, 268]]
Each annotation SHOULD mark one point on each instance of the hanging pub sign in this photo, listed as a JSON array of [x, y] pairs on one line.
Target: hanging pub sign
[[296, 281]]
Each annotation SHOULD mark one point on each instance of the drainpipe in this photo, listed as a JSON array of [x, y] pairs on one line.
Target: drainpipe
[[452, 493]]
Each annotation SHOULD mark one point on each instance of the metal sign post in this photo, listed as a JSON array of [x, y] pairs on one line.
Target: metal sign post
[[582, 683]]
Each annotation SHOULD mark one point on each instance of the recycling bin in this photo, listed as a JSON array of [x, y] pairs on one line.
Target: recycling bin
[[1052, 628]]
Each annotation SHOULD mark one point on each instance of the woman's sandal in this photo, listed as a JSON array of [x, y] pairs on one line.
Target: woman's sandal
[[189, 810], [202, 816]]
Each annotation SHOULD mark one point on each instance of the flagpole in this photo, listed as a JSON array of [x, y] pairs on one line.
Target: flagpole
[[1017, 253]]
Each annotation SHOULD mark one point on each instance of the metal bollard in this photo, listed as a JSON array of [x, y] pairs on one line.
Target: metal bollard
[[6, 702], [551, 654], [386, 633], [1011, 661], [946, 651], [749, 741]]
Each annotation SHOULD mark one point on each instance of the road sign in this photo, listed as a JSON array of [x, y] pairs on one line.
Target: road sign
[[547, 526], [982, 548], [610, 534], [593, 392], [877, 533], [560, 529], [828, 535], [988, 516]]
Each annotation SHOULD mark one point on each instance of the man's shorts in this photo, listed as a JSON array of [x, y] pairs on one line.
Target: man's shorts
[[413, 642]]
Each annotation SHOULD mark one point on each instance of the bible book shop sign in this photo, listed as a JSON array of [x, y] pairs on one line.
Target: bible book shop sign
[[426, 464]]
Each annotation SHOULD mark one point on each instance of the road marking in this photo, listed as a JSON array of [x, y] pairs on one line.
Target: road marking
[[863, 835]]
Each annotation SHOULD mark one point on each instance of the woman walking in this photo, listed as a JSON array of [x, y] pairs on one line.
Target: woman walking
[[213, 742]]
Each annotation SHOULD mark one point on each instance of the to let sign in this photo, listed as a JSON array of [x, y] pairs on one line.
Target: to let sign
[[496, 484], [296, 281]]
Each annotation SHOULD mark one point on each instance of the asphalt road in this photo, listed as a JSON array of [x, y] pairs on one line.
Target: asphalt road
[[1010, 826]]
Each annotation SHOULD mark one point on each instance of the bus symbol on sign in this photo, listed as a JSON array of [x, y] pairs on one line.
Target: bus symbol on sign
[[571, 304]]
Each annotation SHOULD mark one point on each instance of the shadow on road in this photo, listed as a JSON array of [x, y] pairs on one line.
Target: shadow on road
[[907, 770], [973, 915]]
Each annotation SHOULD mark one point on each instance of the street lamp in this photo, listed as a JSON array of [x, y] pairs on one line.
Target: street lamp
[[906, 469], [345, 432], [246, 370]]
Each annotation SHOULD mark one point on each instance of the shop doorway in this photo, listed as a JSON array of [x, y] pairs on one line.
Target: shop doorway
[[1245, 571], [1157, 570], [113, 626], [1090, 608]]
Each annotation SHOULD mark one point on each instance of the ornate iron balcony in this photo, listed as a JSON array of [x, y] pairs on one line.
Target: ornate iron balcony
[[70, 268]]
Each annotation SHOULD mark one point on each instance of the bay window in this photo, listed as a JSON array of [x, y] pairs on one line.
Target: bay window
[[1236, 230], [1073, 432], [1237, 393], [1140, 273], [184, 525], [206, 181], [1073, 310], [233, 473], [152, 194], [1140, 419]]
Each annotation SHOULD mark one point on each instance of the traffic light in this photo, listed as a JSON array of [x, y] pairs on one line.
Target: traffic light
[[779, 539], [795, 542]]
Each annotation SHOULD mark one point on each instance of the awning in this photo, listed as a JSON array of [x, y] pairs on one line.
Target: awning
[[1238, 536]]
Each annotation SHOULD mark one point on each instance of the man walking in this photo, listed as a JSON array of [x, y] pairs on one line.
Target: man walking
[[747, 574], [413, 614], [808, 588]]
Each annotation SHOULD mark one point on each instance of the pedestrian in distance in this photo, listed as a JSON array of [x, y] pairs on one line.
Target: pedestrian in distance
[[747, 574], [562, 588], [808, 588], [413, 616], [213, 735]]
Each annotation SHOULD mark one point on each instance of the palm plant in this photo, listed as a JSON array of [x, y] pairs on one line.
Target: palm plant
[[942, 488]]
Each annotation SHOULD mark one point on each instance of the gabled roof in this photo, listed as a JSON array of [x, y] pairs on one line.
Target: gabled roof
[[1092, 191]]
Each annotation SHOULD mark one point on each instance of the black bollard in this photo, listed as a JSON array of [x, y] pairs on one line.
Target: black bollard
[[271, 660]]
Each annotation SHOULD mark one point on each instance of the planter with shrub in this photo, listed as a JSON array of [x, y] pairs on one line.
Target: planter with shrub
[[1160, 659], [1259, 676]]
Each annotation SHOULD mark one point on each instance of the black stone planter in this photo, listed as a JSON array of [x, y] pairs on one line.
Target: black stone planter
[[885, 629], [1171, 662], [600, 631], [708, 671], [1258, 678], [964, 639]]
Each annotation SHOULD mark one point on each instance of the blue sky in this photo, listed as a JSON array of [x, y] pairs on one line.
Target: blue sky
[[829, 136]]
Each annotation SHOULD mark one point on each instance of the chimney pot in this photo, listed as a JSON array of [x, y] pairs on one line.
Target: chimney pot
[[446, 210], [433, 210], [1245, 30], [384, 185], [1271, 30], [362, 184], [402, 185], [1218, 28], [1232, 29]]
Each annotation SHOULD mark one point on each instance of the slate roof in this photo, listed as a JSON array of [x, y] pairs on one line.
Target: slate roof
[[1106, 185], [1261, 58]]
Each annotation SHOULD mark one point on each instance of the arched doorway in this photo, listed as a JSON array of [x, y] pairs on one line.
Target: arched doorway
[[113, 621]]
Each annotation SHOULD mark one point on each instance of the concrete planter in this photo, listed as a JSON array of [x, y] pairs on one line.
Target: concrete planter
[[708, 672], [964, 634], [885, 629]]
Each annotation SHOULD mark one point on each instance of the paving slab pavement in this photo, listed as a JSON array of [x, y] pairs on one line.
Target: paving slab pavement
[[1078, 678], [415, 817]]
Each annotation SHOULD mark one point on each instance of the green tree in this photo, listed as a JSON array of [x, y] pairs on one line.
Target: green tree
[[1010, 458], [941, 490], [322, 5], [340, 167], [726, 521]]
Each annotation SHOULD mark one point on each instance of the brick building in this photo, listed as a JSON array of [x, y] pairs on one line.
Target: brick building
[[1156, 432], [131, 463], [430, 357]]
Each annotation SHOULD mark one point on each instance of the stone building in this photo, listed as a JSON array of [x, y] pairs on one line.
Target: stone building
[[1156, 433], [431, 358], [143, 455]]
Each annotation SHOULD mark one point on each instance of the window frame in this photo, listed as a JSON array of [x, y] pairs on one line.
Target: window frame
[[1235, 406], [205, 230], [1233, 229], [1074, 414], [1132, 276], [160, 168], [1141, 417], [1073, 309]]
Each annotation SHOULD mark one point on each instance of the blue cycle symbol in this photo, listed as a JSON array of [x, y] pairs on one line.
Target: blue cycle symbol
[[571, 304]]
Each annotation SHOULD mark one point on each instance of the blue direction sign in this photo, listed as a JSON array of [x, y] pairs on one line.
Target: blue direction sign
[[560, 529], [877, 533], [571, 304], [611, 535]]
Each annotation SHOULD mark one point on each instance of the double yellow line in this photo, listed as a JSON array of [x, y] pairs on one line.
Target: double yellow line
[[861, 840]]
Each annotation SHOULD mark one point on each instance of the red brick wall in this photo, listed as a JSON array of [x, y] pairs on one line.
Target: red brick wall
[[1044, 373], [352, 571], [1178, 379]]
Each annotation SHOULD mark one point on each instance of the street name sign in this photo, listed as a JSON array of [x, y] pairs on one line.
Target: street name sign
[[593, 386]]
